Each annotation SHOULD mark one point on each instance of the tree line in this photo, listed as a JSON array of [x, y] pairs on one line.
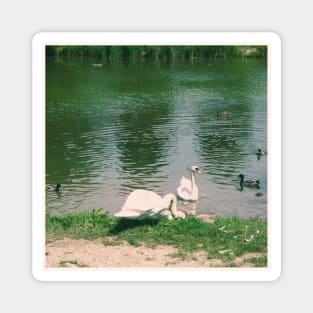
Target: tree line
[[112, 53]]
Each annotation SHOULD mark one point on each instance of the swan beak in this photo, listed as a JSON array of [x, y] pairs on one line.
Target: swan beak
[[199, 171]]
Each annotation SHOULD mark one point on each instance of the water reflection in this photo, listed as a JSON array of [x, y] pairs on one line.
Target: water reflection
[[140, 140]]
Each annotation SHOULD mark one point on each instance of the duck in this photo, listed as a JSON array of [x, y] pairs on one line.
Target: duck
[[145, 204], [188, 189], [259, 194], [260, 152], [55, 188], [249, 183]]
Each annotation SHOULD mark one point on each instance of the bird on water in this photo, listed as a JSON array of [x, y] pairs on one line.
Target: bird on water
[[248, 183], [55, 188], [188, 189]]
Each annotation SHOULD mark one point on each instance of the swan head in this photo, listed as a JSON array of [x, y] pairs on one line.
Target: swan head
[[195, 169]]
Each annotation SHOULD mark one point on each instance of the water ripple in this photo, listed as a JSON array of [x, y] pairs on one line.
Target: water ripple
[[126, 128]]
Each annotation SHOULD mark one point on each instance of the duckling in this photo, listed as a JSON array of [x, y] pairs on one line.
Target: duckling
[[249, 183], [259, 194], [55, 188], [207, 218]]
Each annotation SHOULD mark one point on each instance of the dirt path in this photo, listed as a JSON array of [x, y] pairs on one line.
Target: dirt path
[[94, 254]]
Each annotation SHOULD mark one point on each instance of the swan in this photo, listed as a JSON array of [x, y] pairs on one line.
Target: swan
[[141, 204], [249, 183], [188, 189], [54, 187]]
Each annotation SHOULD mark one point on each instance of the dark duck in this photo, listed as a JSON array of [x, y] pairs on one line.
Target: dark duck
[[55, 188], [248, 183]]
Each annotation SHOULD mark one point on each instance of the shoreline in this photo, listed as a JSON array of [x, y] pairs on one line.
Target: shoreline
[[95, 239]]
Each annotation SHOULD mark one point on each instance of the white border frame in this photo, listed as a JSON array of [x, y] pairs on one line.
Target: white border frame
[[272, 40]]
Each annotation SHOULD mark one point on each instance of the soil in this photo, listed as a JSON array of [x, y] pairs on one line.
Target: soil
[[99, 254]]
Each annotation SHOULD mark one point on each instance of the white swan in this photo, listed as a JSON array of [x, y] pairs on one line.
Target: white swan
[[142, 204], [188, 189]]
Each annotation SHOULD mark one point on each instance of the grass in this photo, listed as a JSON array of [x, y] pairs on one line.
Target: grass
[[73, 262], [258, 262], [226, 238]]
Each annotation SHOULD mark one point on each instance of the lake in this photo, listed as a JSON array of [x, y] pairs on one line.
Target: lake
[[125, 126]]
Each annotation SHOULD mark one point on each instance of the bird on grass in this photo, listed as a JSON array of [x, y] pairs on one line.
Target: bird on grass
[[142, 204], [55, 188], [207, 218]]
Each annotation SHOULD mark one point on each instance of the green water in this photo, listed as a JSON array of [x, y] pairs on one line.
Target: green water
[[119, 127]]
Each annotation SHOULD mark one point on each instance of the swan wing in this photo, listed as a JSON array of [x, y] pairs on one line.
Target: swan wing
[[140, 203], [133, 214], [185, 181], [142, 200], [184, 190], [185, 185]]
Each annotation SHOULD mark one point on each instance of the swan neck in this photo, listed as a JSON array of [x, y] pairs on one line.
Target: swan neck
[[173, 207], [192, 180]]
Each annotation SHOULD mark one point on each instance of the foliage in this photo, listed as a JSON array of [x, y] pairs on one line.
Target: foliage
[[153, 53]]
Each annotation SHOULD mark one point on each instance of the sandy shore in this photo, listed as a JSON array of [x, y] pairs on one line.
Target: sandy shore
[[95, 254]]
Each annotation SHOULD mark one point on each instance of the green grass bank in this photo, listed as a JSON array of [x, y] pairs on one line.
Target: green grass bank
[[226, 238]]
